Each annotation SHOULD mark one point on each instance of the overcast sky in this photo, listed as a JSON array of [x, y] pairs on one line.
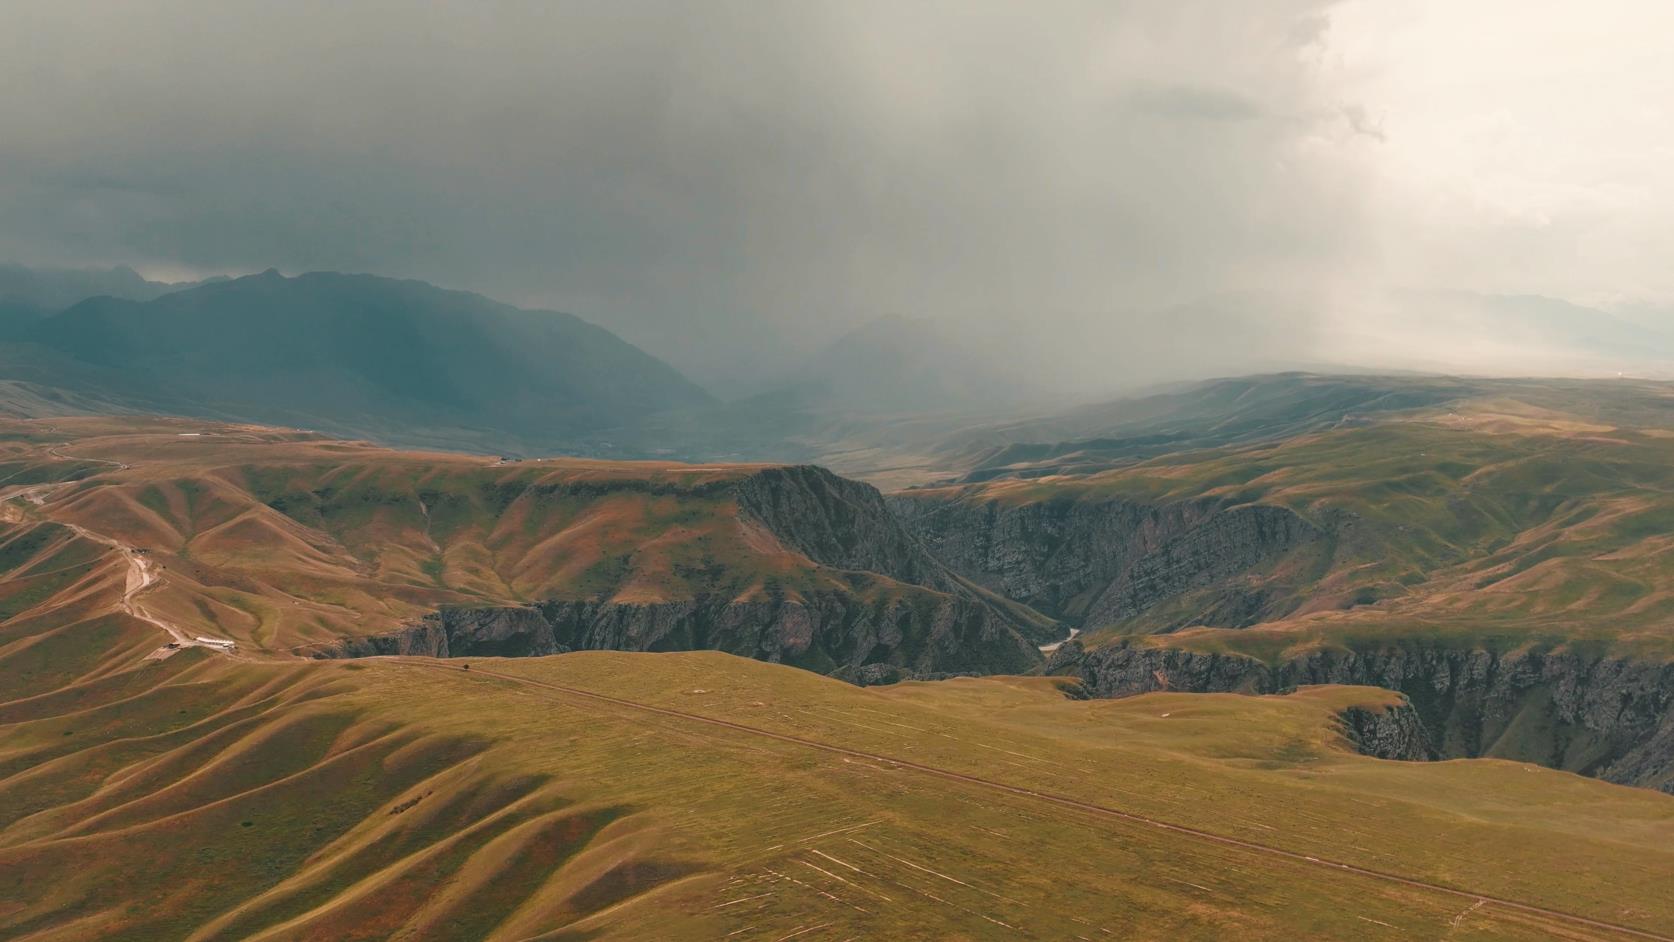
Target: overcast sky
[[725, 181]]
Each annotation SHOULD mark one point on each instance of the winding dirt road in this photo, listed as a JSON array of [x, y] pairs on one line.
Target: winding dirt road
[[142, 575], [142, 572]]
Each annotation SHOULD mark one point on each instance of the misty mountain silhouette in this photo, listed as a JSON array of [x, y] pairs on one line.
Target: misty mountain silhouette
[[367, 355]]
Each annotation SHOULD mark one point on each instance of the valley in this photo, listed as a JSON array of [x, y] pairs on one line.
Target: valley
[[1502, 563], [583, 697], [837, 471]]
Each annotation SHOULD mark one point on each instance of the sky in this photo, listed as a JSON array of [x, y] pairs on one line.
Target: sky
[[1103, 192]]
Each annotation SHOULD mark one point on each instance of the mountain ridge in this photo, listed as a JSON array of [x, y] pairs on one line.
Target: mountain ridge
[[369, 356]]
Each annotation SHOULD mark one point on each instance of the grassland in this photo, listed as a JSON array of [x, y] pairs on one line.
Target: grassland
[[618, 796], [704, 795]]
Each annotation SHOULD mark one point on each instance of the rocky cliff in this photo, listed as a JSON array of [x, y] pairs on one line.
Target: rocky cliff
[[1109, 561], [1602, 716], [839, 523], [1395, 732], [883, 601], [830, 633]]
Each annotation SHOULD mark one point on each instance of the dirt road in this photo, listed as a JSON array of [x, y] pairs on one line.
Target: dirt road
[[142, 575], [142, 572]]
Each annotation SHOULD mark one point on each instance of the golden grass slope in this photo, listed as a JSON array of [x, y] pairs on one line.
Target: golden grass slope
[[614, 796], [402, 800]]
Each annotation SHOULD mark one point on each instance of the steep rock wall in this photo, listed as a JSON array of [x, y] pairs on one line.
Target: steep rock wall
[[1603, 716], [1105, 561], [934, 622], [829, 633], [839, 523], [1395, 732]]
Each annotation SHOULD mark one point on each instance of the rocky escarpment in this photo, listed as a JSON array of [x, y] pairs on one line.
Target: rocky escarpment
[[876, 598], [849, 525], [1393, 732], [1602, 716], [839, 523], [830, 633], [1104, 562]]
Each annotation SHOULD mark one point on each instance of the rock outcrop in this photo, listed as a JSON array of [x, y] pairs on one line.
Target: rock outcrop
[[830, 633], [848, 525], [1607, 717], [1394, 732], [839, 523]]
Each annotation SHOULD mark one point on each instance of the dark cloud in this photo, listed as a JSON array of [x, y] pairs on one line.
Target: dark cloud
[[719, 181]]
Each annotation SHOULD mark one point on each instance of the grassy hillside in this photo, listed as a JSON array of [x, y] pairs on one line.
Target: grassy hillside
[[1197, 415], [604, 795], [696, 795]]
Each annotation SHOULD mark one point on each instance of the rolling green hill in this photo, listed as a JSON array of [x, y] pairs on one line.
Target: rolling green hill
[[1266, 408]]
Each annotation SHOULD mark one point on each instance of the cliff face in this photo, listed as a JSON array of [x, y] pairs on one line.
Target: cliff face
[[830, 633], [901, 614], [1606, 717], [839, 523], [849, 525], [1395, 732], [1104, 562]]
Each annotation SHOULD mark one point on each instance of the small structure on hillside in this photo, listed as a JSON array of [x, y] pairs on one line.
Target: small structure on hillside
[[221, 643]]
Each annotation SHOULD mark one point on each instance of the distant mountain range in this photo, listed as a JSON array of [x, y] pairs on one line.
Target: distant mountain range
[[399, 361], [411, 364]]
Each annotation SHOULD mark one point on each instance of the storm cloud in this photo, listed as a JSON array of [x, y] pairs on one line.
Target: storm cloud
[[725, 183]]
